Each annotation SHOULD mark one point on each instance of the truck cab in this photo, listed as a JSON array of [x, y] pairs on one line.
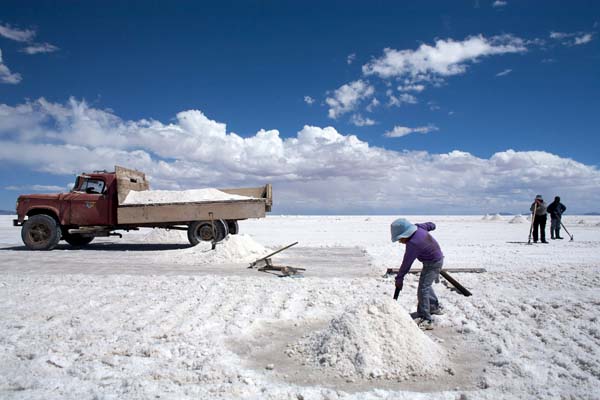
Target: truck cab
[[47, 218], [92, 201]]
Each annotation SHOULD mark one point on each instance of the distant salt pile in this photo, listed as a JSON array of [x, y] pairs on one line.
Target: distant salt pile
[[166, 236], [581, 222], [485, 217], [180, 196], [232, 249], [374, 340], [496, 217], [518, 219]]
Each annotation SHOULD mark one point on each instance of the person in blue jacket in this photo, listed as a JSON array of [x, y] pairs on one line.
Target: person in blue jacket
[[420, 245], [556, 210]]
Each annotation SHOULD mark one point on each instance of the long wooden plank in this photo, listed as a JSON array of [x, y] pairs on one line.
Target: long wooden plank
[[418, 270], [463, 290]]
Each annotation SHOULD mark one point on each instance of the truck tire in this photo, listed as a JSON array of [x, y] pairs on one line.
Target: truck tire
[[233, 227], [40, 232], [202, 231], [76, 239]]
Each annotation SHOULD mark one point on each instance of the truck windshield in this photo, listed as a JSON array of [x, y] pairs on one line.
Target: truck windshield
[[90, 185]]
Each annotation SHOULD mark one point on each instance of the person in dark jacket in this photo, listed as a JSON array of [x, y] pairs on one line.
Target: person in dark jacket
[[422, 246], [539, 219], [556, 210]]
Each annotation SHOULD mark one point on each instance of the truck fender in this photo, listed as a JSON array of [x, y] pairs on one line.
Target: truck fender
[[50, 211]]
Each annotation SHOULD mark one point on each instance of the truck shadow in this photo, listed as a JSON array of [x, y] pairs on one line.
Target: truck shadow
[[112, 247]]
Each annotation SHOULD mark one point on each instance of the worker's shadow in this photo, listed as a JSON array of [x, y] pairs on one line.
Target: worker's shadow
[[112, 247]]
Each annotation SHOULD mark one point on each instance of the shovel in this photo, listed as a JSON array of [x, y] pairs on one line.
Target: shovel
[[571, 236]]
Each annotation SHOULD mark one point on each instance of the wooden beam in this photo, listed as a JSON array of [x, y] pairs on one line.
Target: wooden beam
[[463, 290], [453, 270]]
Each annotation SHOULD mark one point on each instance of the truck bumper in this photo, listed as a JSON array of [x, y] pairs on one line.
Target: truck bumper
[[16, 222]]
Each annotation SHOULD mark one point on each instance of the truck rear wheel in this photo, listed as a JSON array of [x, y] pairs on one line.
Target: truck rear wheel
[[40, 232], [202, 231], [233, 227], [76, 239]]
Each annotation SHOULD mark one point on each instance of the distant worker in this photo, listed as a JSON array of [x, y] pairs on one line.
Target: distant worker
[[539, 219], [422, 246], [556, 210]]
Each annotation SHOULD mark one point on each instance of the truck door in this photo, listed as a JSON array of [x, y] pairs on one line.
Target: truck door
[[89, 203]]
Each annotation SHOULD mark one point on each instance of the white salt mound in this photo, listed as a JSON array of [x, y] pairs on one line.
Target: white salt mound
[[166, 236], [496, 217], [374, 340], [180, 196], [485, 217], [233, 249], [518, 219]]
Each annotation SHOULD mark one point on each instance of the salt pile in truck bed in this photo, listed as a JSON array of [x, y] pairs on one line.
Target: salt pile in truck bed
[[180, 196]]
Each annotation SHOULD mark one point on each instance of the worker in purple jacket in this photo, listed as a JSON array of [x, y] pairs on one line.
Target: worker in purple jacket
[[422, 246]]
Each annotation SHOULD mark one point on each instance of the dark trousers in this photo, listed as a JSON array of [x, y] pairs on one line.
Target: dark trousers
[[539, 221], [555, 228]]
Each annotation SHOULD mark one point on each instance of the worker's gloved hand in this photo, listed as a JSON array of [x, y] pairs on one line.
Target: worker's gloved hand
[[399, 283]]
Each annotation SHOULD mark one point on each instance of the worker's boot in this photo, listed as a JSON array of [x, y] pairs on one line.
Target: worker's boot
[[558, 233], [552, 234]]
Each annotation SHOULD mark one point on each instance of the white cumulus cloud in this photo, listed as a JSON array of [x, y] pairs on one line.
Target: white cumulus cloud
[[359, 120], [37, 188], [399, 131], [317, 169], [39, 48], [309, 100], [6, 76], [572, 38], [16, 34], [411, 88], [499, 3], [347, 97], [402, 98], [447, 57], [505, 72], [583, 39]]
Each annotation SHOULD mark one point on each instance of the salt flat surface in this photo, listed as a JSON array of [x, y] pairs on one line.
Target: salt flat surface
[[180, 196], [147, 316]]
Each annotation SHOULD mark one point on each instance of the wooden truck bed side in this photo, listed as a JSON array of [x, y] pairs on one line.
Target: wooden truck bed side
[[187, 212], [133, 214]]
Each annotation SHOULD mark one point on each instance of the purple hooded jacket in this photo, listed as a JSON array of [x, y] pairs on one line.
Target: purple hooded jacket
[[421, 246]]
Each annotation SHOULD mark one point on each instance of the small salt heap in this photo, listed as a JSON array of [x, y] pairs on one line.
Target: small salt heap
[[374, 340], [166, 236], [518, 219], [233, 249]]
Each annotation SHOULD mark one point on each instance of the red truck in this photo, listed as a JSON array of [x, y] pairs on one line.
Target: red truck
[[95, 207]]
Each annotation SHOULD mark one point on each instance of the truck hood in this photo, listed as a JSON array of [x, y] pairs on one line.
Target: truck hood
[[53, 196]]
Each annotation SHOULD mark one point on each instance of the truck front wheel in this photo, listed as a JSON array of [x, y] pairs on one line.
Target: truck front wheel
[[40, 232], [202, 231]]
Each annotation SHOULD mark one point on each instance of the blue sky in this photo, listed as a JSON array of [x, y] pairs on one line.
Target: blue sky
[[475, 106]]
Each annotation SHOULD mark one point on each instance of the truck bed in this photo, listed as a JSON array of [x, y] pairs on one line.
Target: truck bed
[[142, 214], [147, 214]]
